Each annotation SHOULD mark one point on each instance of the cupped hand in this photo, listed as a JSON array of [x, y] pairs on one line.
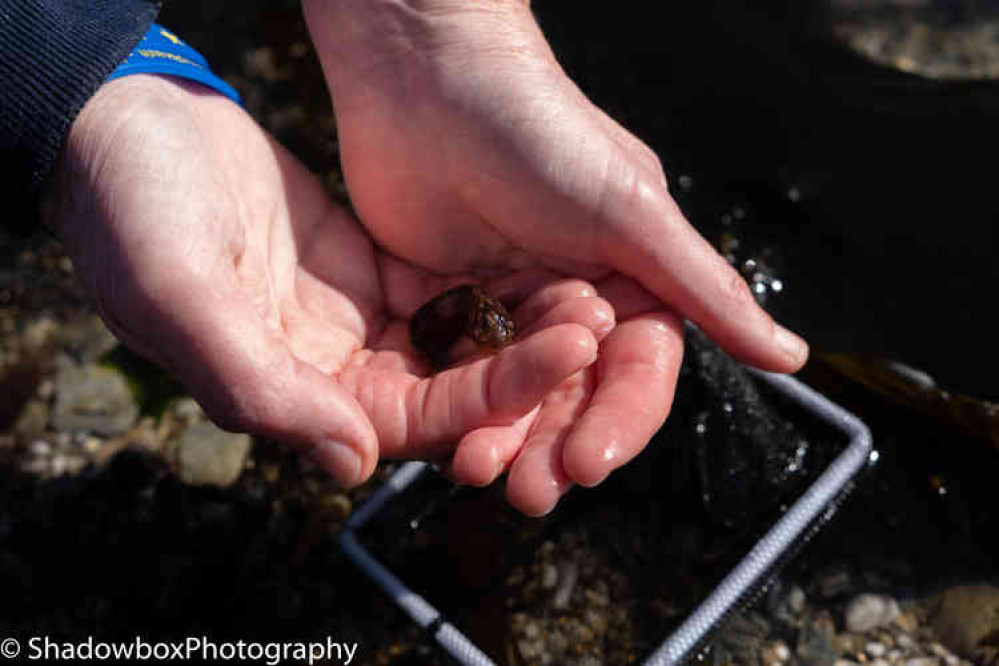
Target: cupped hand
[[211, 250], [466, 148]]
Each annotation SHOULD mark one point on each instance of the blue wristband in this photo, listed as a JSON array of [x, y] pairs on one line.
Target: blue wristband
[[162, 52]]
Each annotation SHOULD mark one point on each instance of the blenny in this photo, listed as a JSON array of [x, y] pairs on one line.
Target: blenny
[[463, 310]]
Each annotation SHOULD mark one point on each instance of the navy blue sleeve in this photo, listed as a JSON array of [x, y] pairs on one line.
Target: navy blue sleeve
[[54, 55]]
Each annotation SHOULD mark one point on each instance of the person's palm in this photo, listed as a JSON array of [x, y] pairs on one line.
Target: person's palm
[[466, 149], [214, 252]]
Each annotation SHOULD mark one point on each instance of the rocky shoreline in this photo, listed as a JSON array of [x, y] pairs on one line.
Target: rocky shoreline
[[123, 509]]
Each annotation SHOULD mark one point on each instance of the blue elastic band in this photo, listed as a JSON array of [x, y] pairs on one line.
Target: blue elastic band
[[162, 52]]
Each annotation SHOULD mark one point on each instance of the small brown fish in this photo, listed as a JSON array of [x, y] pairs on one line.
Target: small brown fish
[[464, 310]]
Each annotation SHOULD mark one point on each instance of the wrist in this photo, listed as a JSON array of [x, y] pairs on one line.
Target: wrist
[[114, 119], [356, 39]]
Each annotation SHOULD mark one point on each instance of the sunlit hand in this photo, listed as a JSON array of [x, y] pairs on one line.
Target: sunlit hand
[[208, 248], [467, 149]]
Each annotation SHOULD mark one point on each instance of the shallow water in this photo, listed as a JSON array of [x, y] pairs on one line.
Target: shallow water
[[887, 235]]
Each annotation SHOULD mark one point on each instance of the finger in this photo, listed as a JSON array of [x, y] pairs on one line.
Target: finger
[[247, 380], [424, 418], [686, 272], [546, 296], [660, 249], [627, 297], [594, 313], [636, 378], [483, 454], [537, 477], [565, 301], [629, 143]]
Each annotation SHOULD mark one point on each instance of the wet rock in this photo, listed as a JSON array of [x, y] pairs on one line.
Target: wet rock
[[787, 605], [815, 643], [967, 620], [866, 612], [875, 650], [775, 653], [187, 410], [743, 638], [67, 464], [46, 389], [567, 577], [91, 445], [944, 654], [87, 339], [337, 506], [210, 456], [32, 421], [795, 601], [849, 644], [922, 661], [549, 576], [40, 449], [94, 399], [907, 621]]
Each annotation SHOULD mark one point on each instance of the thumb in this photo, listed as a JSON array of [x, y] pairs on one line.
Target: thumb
[[247, 380]]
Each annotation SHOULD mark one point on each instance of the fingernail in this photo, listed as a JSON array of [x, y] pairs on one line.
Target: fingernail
[[793, 346], [339, 460]]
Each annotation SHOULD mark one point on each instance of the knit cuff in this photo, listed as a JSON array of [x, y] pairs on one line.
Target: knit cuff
[[54, 55]]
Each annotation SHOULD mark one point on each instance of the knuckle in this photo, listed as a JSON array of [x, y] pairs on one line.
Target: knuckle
[[642, 195], [652, 158], [735, 290]]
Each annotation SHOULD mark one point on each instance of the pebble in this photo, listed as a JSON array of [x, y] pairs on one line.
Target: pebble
[[88, 339], [566, 584], [875, 650], [210, 456], [796, 600], [775, 653], [32, 421], [187, 410], [93, 399], [45, 390], [67, 465], [944, 654], [92, 445], [966, 618], [866, 612], [549, 576], [788, 606], [40, 448], [815, 643], [922, 661], [907, 621], [847, 643], [906, 642], [38, 333], [339, 505]]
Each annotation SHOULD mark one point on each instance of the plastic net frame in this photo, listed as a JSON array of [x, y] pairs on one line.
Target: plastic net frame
[[814, 506]]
